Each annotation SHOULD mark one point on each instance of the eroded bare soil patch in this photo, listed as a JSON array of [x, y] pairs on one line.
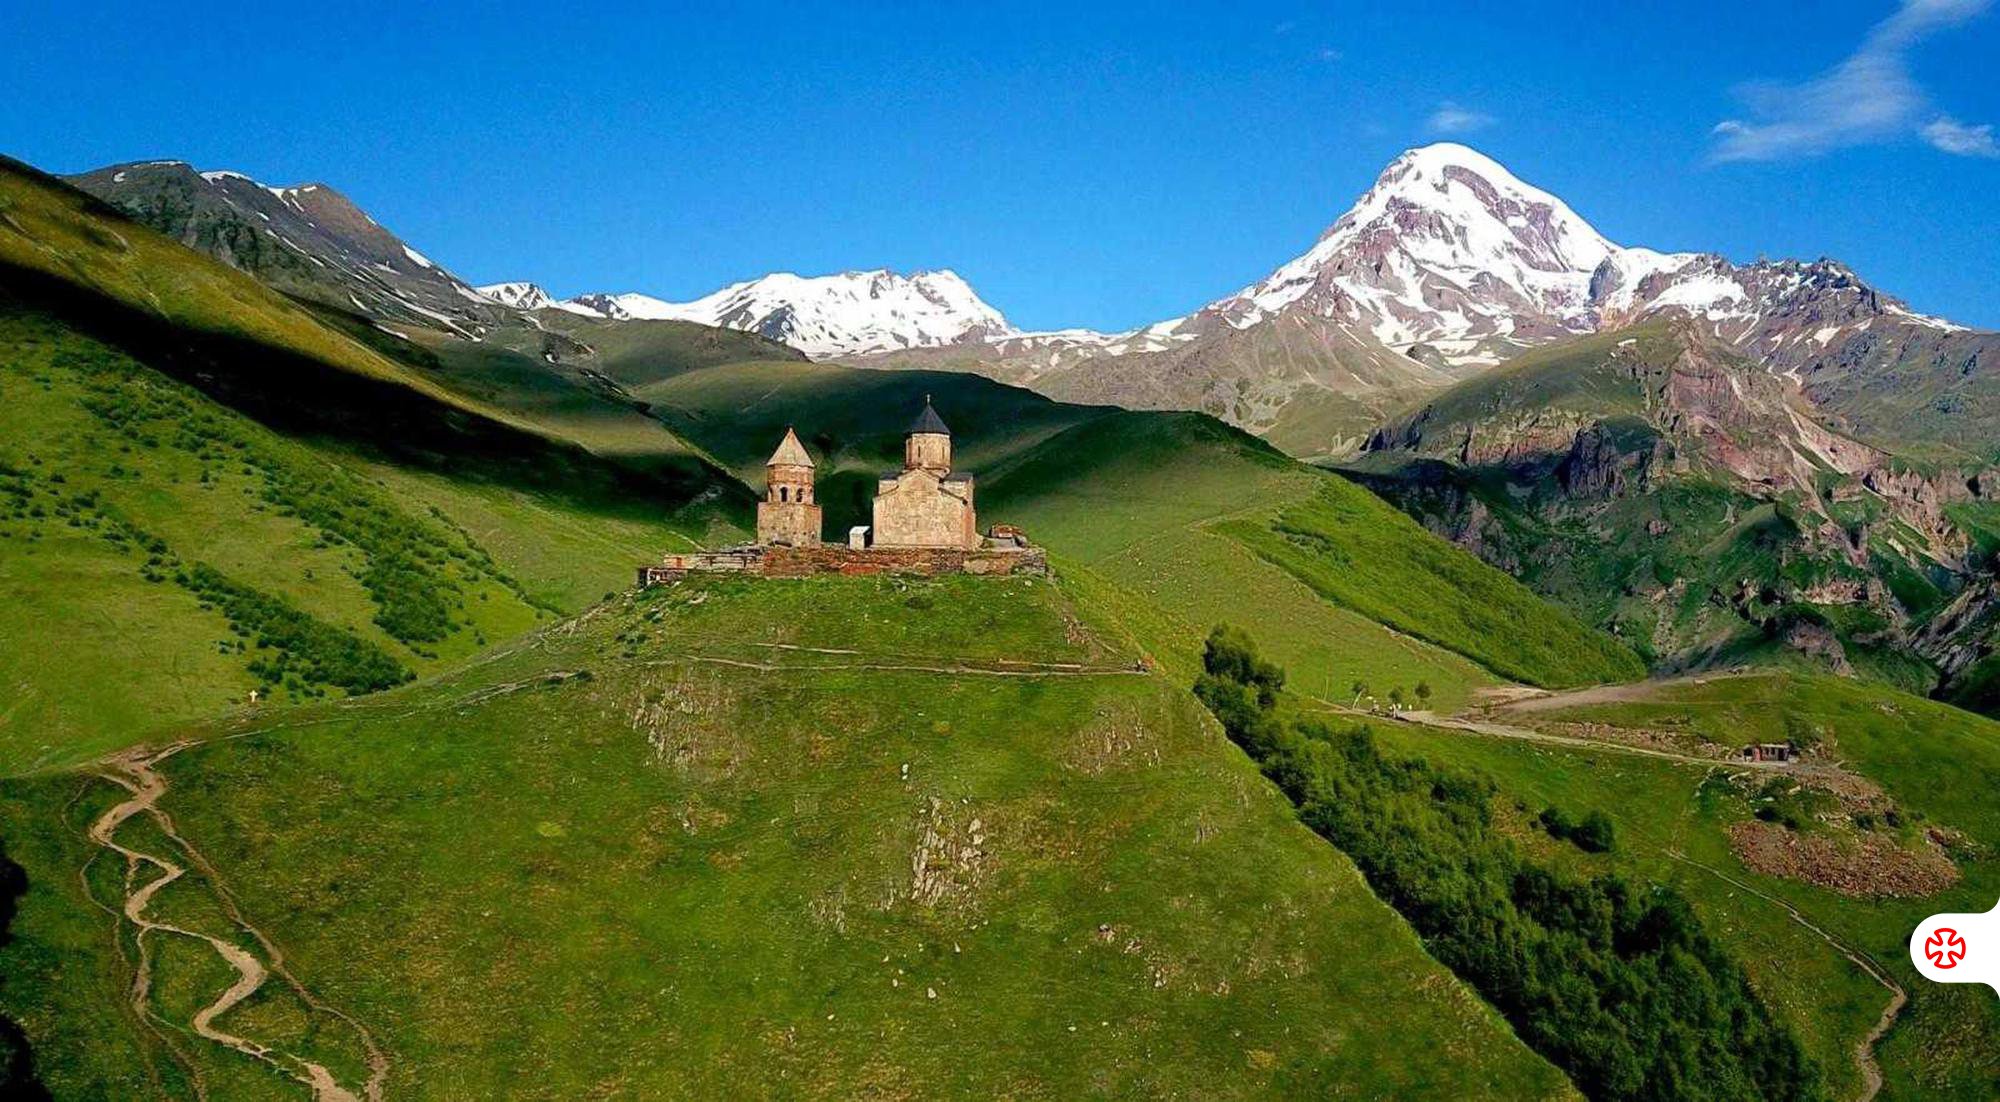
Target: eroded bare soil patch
[[1863, 865]]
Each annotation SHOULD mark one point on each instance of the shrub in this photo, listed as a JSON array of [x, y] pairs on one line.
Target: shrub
[[1593, 833]]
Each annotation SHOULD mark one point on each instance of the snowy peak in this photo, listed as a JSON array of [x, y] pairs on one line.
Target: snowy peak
[[1447, 248], [519, 295], [1454, 207], [850, 314]]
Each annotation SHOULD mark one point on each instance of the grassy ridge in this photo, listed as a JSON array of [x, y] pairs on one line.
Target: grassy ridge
[[1356, 551], [69, 257], [193, 555], [1130, 498], [680, 876]]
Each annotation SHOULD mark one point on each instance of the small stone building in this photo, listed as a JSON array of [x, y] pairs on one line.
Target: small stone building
[[926, 504], [788, 515]]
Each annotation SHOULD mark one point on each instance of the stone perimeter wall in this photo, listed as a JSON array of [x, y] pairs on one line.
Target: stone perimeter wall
[[803, 562]]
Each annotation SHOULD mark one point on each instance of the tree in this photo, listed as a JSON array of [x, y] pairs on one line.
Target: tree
[[1396, 698], [1424, 692], [1231, 654], [1360, 690]]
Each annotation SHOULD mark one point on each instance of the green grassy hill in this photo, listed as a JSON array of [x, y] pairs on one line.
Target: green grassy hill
[[1924, 767], [821, 838], [206, 490]]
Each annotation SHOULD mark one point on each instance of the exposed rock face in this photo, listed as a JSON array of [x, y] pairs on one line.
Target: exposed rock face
[[1817, 641], [1698, 396], [1596, 467], [1918, 502], [1629, 464]]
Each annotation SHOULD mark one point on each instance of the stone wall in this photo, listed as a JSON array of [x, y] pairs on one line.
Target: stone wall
[[788, 522], [804, 562], [917, 509]]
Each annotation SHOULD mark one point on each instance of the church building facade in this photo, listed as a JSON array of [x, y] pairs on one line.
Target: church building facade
[[926, 504]]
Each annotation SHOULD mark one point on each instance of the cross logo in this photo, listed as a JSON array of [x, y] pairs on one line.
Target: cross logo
[[1944, 947]]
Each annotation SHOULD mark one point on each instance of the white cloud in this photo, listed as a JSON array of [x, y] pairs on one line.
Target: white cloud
[[1329, 55], [1953, 136], [1450, 118], [1869, 97]]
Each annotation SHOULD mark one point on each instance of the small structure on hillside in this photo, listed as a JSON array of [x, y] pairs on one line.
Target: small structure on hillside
[[1768, 751], [924, 522]]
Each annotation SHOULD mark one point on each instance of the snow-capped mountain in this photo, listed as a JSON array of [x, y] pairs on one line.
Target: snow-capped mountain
[[1447, 249], [1446, 265], [853, 313]]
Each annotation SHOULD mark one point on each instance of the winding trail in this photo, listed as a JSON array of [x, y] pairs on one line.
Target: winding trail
[[1864, 1049], [135, 772]]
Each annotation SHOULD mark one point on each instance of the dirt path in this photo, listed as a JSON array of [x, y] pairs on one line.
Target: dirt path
[[1529, 734], [1864, 1049], [1536, 700], [135, 772], [1010, 668]]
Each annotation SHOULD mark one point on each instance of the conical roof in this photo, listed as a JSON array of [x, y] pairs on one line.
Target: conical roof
[[790, 452], [928, 421]]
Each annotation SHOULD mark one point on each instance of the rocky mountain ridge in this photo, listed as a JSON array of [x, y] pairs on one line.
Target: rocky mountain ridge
[[309, 241], [1684, 496]]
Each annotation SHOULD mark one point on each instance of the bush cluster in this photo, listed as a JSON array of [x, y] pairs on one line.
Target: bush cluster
[[18, 1078], [295, 649], [1593, 833], [1615, 982], [411, 567]]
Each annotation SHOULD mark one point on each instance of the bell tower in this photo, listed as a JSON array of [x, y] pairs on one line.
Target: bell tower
[[788, 515], [927, 447]]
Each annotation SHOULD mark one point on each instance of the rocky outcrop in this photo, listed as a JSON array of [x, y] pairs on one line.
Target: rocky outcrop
[[1597, 466]]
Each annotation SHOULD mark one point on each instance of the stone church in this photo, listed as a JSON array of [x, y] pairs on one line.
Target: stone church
[[926, 504]]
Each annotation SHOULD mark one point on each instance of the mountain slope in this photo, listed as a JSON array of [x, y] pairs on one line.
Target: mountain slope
[[197, 461], [714, 851], [308, 240], [1895, 376], [1684, 497]]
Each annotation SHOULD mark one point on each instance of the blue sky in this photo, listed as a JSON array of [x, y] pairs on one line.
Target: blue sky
[[1079, 164]]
